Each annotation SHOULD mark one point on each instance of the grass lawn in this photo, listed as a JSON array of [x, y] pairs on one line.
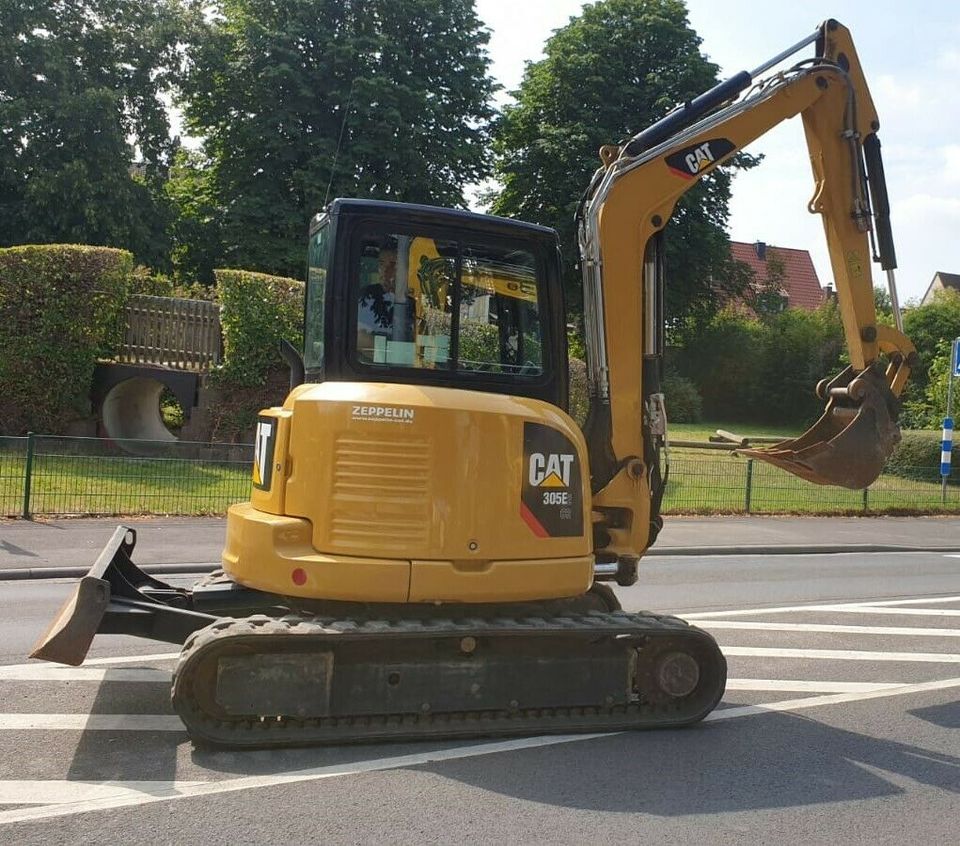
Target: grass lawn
[[712, 481]]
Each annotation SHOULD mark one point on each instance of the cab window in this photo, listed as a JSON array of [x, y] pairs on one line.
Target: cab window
[[442, 304], [317, 257]]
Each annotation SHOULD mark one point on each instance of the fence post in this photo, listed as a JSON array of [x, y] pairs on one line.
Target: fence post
[[749, 490], [866, 506], [27, 477]]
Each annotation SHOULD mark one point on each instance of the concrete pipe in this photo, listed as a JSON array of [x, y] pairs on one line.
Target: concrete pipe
[[131, 411]]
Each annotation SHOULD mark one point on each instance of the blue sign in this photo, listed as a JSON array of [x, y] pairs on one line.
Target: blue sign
[[946, 446], [956, 357]]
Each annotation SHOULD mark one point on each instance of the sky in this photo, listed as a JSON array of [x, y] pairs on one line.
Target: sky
[[911, 58]]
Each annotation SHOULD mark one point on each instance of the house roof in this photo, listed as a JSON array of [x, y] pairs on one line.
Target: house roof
[[802, 286], [948, 280]]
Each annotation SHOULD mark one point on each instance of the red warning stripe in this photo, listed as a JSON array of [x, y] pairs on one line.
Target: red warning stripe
[[535, 525], [684, 173]]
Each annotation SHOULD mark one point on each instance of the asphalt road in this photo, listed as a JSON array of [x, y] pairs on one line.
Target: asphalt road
[[855, 660]]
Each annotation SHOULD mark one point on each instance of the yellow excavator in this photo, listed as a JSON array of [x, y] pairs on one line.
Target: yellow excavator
[[424, 549]]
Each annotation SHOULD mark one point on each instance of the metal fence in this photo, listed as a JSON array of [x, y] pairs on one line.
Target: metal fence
[[46, 475], [710, 483]]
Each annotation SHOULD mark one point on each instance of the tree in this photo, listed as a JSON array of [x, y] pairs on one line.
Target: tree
[[768, 298], [931, 328], [304, 100], [927, 326], [197, 240], [618, 67], [85, 141]]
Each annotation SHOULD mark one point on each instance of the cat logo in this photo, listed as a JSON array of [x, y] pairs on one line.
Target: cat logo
[[263, 452], [550, 471], [690, 162], [551, 491]]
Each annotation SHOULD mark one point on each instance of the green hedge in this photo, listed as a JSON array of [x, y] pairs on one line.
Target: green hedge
[[61, 307], [764, 371], [917, 456], [257, 310]]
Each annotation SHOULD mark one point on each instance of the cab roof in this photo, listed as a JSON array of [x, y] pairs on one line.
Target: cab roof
[[455, 217]]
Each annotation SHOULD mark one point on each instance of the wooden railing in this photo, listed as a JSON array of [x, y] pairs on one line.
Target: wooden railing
[[171, 332]]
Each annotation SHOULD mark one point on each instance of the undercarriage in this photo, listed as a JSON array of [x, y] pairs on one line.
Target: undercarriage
[[259, 670]]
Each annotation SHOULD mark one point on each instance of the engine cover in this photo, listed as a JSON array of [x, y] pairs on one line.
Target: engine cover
[[460, 495]]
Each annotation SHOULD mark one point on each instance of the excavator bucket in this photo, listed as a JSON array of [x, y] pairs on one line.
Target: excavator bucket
[[849, 445]]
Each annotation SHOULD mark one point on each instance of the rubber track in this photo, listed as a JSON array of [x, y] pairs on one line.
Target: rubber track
[[246, 732]]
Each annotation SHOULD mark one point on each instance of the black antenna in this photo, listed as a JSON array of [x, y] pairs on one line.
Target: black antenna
[[336, 154]]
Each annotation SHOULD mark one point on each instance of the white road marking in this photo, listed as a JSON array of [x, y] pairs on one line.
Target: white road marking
[[124, 659], [183, 790], [49, 672], [900, 631], [818, 701], [786, 609], [11, 671], [923, 600], [91, 722], [804, 686], [841, 654], [749, 612], [915, 612], [55, 791]]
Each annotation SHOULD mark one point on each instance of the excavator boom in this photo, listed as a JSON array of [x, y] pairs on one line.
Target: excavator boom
[[640, 182]]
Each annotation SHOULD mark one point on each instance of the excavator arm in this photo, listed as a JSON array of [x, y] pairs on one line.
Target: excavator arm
[[621, 220]]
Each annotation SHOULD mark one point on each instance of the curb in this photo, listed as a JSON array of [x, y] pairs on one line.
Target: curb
[[665, 552]]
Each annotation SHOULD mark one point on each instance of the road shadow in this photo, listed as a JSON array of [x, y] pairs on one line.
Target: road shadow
[[773, 761], [946, 716], [159, 756], [128, 755], [13, 549]]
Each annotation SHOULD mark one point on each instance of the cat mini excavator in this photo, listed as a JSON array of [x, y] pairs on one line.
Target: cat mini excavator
[[423, 548]]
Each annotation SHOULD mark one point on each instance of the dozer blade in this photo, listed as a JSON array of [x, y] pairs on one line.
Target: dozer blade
[[116, 597], [69, 636], [849, 445]]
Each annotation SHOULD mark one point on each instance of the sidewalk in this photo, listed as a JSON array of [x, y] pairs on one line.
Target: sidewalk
[[172, 544]]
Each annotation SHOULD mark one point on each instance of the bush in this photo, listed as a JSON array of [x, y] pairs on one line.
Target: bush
[[918, 457], [61, 308], [725, 361], [683, 399], [257, 310], [764, 371]]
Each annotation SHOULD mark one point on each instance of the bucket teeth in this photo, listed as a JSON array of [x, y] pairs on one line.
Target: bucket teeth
[[851, 442]]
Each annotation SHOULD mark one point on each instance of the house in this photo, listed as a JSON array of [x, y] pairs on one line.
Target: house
[[939, 282], [799, 286]]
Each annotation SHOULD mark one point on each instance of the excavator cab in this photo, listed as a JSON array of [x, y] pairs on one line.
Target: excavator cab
[[419, 295]]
